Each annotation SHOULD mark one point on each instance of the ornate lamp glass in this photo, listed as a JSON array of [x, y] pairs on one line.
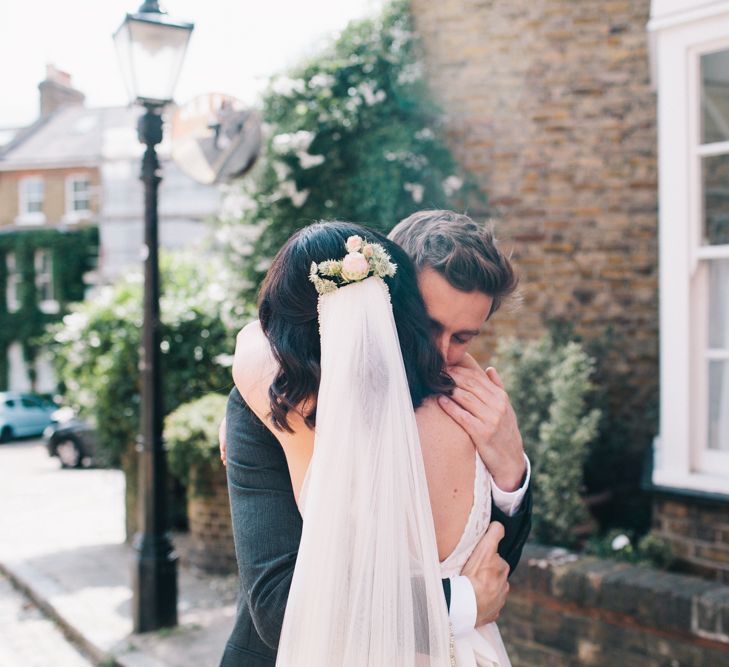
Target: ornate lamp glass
[[151, 48]]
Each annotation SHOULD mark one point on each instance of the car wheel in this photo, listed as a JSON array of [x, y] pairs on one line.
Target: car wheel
[[6, 435], [69, 453]]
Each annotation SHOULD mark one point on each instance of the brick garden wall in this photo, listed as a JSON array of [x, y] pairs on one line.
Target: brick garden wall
[[548, 104], [698, 532], [565, 610], [210, 545]]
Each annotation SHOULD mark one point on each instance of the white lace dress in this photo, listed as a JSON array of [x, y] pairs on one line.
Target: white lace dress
[[482, 646]]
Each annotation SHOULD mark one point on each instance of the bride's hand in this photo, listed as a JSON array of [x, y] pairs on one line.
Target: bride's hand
[[488, 573]]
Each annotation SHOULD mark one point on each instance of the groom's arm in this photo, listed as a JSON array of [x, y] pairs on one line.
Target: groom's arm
[[266, 520], [513, 509]]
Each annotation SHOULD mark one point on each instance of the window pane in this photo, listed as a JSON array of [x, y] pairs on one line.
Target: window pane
[[719, 304], [31, 195], [716, 199], [80, 194], [719, 405], [715, 97], [44, 275]]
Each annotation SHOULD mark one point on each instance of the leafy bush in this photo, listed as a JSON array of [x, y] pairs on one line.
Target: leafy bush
[[351, 134], [191, 435], [548, 385], [97, 349]]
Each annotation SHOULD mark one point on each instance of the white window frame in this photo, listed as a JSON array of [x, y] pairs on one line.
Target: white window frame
[[72, 215], [26, 217], [12, 283], [51, 305], [704, 459], [680, 453]]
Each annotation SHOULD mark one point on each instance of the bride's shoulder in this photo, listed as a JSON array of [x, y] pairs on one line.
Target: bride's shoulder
[[254, 366], [437, 427]]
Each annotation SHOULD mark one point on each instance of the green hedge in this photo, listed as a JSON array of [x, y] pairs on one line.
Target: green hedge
[[97, 348], [74, 253]]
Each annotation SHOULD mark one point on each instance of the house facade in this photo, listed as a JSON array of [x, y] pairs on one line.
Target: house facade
[[74, 173], [598, 132]]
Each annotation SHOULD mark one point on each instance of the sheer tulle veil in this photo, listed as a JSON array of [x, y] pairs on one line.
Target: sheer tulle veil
[[366, 590]]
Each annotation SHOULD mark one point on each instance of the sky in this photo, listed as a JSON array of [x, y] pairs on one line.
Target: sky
[[235, 47]]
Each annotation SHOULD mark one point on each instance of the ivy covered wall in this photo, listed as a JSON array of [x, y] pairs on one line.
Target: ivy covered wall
[[73, 253]]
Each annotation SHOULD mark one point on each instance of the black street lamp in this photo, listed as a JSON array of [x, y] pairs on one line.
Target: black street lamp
[[151, 48]]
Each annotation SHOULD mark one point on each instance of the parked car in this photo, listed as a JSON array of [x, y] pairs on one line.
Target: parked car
[[23, 415], [72, 439]]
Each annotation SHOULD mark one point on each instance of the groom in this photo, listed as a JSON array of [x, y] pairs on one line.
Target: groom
[[463, 278]]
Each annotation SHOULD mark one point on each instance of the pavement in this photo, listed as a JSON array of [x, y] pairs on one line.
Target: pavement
[[62, 548]]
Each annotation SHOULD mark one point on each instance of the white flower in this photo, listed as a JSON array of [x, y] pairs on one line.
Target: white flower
[[367, 90], [410, 73], [355, 266], [354, 243], [281, 169], [620, 542], [292, 142], [416, 190], [451, 185], [321, 80], [224, 360], [297, 197], [307, 161]]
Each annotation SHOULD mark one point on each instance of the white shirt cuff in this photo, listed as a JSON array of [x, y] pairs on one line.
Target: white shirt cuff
[[462, 613], [509, 501]]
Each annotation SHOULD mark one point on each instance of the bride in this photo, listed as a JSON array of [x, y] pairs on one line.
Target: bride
[[343, 371]]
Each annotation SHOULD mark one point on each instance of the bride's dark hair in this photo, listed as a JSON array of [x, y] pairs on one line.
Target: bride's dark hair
[[287, 308]]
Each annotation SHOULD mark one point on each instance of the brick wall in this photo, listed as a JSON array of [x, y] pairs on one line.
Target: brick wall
[[698, 532], [210, 545], [548, 104], [566, 610]]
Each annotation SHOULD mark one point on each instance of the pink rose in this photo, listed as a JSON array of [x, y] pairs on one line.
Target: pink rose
[[354, 243], [355, 266], [368, 251]]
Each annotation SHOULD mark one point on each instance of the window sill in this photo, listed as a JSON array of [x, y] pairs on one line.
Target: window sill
[[76, 217], [30, 219], [715, 487]]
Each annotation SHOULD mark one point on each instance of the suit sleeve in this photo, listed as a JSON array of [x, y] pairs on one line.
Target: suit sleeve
[[516, 529], [266, 519]]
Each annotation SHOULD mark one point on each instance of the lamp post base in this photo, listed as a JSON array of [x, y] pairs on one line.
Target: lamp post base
[[154, 578]]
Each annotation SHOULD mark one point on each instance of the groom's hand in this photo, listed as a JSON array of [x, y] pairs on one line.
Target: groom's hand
[[488, 573], [482, 408]]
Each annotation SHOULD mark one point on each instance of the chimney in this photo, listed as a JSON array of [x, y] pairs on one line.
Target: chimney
[[56, 91]]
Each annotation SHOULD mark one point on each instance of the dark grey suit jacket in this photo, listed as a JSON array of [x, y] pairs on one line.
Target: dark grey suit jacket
[[267, 532]]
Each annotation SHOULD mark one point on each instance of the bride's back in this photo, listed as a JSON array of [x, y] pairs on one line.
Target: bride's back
[[448, 453]]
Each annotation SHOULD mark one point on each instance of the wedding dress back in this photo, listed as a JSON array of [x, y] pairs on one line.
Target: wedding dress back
[[482, 646]]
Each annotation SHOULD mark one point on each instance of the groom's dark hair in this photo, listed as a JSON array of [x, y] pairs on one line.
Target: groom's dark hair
[[464, 252]]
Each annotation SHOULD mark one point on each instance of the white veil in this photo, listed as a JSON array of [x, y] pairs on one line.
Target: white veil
[[366, 590]]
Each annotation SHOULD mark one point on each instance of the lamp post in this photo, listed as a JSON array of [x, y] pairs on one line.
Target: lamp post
[[151, 48]]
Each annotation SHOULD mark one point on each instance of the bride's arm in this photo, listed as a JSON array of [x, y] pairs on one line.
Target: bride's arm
[[254, 369]]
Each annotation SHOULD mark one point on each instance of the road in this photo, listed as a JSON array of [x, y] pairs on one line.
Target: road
[[46, 513], [28, 638]]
